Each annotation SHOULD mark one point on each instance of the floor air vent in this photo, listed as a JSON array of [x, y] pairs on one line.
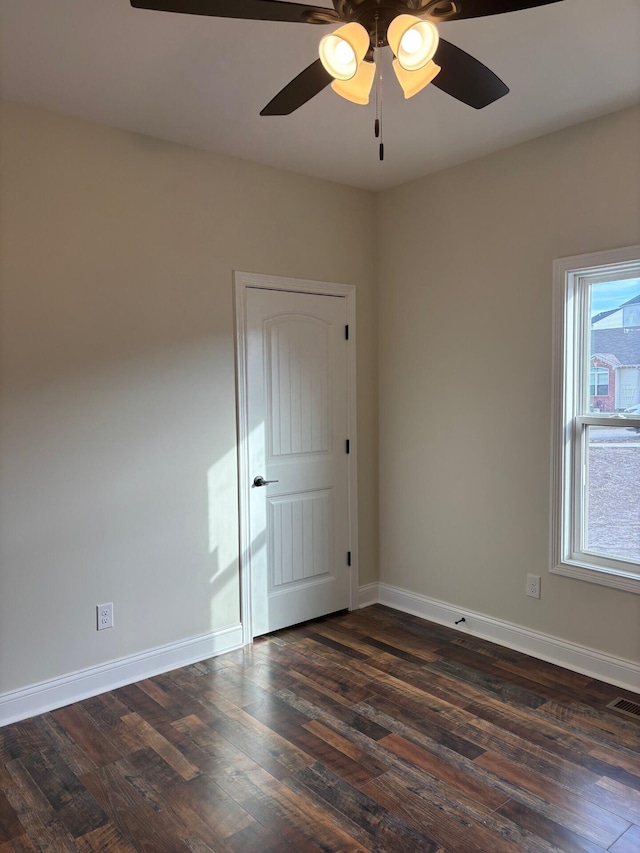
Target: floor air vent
[[625, 706]]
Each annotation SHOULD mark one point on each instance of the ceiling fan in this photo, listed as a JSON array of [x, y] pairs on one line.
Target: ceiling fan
[[347, 55]]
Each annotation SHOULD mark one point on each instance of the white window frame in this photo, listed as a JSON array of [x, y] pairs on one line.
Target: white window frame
[[570, 405]]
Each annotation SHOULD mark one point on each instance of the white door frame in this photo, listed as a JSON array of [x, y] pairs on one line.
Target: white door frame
[[243, 281]]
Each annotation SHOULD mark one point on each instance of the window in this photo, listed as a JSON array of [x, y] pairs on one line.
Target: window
[[595, 525], [599, 386], [631, 314]]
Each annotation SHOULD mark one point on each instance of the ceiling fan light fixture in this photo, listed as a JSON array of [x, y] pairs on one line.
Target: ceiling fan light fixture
[[413, 82], [342, 51], [358, 88], [413, 41]]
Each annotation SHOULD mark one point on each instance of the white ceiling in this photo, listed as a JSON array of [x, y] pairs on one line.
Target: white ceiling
[[203, 81]]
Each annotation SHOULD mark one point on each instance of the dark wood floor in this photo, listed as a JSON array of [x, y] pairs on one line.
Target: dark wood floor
[[365, 731]]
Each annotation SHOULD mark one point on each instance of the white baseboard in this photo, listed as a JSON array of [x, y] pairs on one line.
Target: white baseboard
[[48, 695], [618, 671], [369, 594]]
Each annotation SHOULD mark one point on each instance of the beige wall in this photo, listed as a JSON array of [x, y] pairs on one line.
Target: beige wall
[[118, 464], [465, 371], [117, 443]]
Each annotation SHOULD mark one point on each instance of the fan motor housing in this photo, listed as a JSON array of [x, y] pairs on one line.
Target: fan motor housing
[[376, 15]]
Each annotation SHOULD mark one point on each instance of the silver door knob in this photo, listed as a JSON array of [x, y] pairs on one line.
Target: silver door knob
[[260, 481]]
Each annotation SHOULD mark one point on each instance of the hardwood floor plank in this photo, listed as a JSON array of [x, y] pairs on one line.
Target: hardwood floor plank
[[550, 830], [342, 681], [439, 768], [290, 724], [601, 726], [146, 734], [59, 739], [621, 765], [512, 725], [408, 691], [428, 723], [75, 720], [266, 747], [10, 826], [256, 839], [463, 830], [619, 798], [36, 813], [212, 753], [526, 724], [18, 845], [142, 822], [627, 843], [383, 826], [251, 791], [71, 802], [346, 650], [474, 671], [215, 808], [301, 822], [165, 690], [366, 640], [196, 845], [561, 768], [136, 700], [373, 767], [543, 672], [337, 818], [584, 817], [21, 739], [321, 700], [106, 839]]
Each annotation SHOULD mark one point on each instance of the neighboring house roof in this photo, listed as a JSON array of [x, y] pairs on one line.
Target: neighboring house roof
[[634, 301], [607, 358], [597, 317], [624, 344]]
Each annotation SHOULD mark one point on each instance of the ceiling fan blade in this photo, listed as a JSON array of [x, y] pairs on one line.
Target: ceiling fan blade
[[482, 8], [301, 89], [465, 78], [254, 10]]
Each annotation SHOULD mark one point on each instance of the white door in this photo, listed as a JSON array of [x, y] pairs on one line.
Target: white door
[[297, 413]]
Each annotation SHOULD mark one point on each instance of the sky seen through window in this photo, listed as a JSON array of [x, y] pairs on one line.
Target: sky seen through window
[[608, 295]]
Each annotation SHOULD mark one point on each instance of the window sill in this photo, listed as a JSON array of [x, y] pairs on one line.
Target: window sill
[[627, 581]]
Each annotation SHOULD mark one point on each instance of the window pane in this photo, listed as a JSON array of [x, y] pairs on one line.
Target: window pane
[[612, 517], [614, 353], [599, 384]]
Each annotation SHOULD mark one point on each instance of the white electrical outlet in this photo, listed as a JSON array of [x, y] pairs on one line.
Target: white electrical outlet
[[533, 586], [105, 616]]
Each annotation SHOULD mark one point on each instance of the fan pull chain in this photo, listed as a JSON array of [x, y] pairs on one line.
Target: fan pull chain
[[380, 112], [379, 100], [377, 127], [376, 56]]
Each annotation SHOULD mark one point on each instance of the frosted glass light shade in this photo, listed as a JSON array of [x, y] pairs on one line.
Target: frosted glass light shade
[[413, 81], [342, 51], [413, 41], [358, 88]]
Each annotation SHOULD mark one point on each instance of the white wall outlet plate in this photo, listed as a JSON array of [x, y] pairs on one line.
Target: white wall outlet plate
[[105, 616], [533, 586]]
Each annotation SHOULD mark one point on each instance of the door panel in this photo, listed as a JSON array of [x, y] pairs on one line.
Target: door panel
[[299, 385], [299, 537], [297, 406]]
